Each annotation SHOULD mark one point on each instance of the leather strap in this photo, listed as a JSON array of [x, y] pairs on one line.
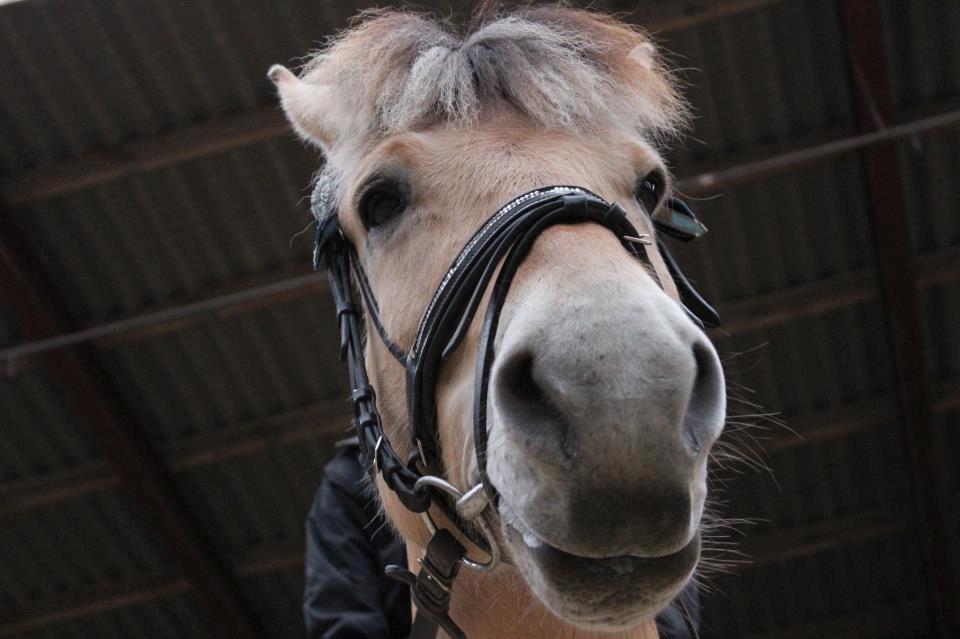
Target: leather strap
[[431, 587], [572, 209], [458, 296], [696, 307], [375, 448]]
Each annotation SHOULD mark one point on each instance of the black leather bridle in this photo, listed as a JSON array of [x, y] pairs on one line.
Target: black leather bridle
[[418, 482]]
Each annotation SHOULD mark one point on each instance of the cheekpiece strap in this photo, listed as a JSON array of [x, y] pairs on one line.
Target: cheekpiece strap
[[328, 230], [375, 449]]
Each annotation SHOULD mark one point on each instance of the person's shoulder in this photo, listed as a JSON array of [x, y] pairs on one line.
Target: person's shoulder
[[344, 473]]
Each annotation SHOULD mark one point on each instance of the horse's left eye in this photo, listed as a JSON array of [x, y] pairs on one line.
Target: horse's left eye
[[650, 191], [381, 203]]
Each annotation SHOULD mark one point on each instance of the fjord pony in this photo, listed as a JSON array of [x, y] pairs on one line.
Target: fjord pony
[[605, 398]]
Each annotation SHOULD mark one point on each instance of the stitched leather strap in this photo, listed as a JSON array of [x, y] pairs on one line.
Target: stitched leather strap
[[451, 310], [570, 209]]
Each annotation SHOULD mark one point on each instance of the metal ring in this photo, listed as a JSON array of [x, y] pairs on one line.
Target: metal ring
[[482, 522], [435, 482]]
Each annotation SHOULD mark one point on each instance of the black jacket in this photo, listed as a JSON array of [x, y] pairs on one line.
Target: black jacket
[[349, 543]]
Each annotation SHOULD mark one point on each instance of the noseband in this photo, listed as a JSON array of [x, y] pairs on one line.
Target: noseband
[[418, 482]]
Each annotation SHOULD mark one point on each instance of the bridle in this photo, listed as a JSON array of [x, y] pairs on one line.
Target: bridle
[[506, 237]]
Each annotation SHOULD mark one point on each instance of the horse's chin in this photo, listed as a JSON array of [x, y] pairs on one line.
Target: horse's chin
[[599, 593]]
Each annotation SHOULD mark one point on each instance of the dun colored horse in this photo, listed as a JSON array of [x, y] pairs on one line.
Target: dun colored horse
[[604, 397]]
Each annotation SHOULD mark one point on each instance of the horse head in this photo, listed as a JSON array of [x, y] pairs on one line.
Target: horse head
[[600, 396]]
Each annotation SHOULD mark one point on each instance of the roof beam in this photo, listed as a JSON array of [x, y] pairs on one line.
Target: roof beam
[[141, 155], [664, 17], [739, 316], [229, 132], [873, 105], [797, 159], [130, 592], [862, 416], [823, 296], [770, 547], [899, 619], [827, 294], [316, 422], [75, 371], [267, 123], [794, 542], [227, 302], [96, 601]]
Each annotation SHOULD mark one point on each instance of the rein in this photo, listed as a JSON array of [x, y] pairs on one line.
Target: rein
[[418, 482]]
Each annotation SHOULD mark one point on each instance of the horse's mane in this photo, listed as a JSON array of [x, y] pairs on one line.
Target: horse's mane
[[560, 67]]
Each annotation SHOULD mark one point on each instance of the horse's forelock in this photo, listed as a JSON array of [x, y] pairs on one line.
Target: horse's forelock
[[560, 67]]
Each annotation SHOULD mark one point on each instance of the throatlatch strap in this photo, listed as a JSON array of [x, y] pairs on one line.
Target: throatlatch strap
[[431, 588]]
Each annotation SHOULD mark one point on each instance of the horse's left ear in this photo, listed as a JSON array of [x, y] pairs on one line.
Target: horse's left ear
[[308, 106]]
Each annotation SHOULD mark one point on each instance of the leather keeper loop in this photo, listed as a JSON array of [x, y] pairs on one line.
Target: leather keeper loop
[[347, 308], [364, 393], [366, 419]]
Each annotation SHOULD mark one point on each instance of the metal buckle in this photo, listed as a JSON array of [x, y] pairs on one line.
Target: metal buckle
[[423, 457], [426, 568], [643, 238], [376, 455], [471, 506]]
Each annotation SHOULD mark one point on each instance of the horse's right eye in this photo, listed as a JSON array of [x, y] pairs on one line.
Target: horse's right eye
[[381, 202], [650, 190]]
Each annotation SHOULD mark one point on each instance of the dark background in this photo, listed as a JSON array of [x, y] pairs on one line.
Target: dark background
[[154, 475]]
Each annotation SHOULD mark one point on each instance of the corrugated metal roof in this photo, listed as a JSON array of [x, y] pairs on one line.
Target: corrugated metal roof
[[226, 370], [77, 546], [941, 305], [801, 227], [917, 34], [179, 233], [101, 73], [873, 576], [276, 599], [745, 99], [174, 617], [38, 431]]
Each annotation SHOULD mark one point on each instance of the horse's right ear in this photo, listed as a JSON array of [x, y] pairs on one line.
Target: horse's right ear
[[308, 106]]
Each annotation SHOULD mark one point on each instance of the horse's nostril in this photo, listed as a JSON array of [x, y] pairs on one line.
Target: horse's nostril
[[705, 411], [529, 409], [518, 376], [517, 388]]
